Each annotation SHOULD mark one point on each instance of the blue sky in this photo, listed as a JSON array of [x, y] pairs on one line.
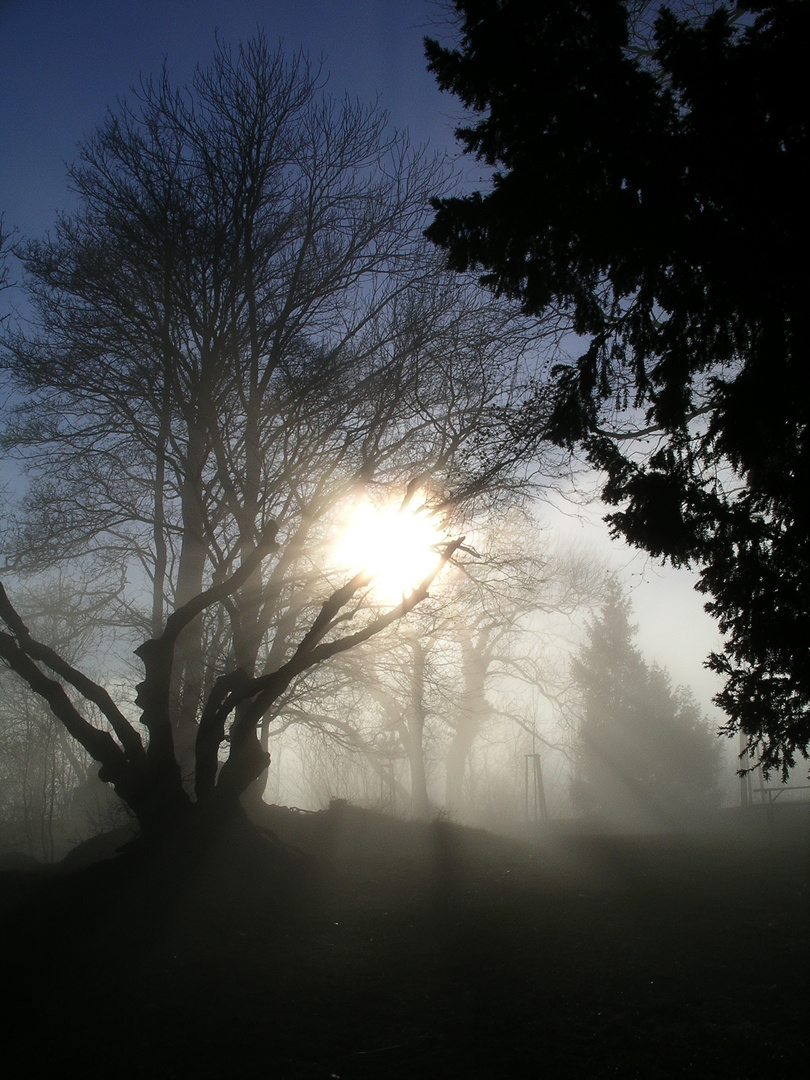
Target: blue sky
[[63, 62]]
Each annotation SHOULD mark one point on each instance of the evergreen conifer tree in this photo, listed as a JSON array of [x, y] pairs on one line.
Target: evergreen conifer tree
[[646, 757]]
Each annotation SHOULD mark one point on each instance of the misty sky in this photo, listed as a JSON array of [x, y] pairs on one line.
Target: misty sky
[[62, 62]]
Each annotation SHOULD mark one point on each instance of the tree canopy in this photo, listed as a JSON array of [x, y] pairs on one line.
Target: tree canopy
[[649, 185]]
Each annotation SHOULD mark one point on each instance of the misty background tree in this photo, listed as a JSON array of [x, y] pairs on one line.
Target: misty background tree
[[649, 186], [239, 335], [645, 756]]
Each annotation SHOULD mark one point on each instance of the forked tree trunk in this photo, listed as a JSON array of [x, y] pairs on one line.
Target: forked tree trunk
[[146, 775]]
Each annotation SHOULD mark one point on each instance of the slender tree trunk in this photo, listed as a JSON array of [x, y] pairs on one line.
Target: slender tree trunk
[[456, 765], [415, 718], [470, 716], [159, 525], [248, 634], [189, 661]]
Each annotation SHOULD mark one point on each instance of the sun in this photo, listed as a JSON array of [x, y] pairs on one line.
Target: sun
[[399, 547]]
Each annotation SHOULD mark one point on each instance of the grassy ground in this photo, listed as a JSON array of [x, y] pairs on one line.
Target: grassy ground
[[393, 950]]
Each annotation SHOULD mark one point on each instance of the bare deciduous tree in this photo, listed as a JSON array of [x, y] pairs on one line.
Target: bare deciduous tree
[[240, 331]]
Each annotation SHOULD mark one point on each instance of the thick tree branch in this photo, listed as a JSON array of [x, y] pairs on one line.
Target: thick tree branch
[[651, 429], [153, 693], [211, 731], [91, 691], [99, 744], [179, 619], [268, 688]]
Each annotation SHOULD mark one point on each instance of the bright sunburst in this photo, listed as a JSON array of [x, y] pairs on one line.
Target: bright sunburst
[[398, 547]]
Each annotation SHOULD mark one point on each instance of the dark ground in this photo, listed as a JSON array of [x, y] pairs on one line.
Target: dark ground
[[397, 950]]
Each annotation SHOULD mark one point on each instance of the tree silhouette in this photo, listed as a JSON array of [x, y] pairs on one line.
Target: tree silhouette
[[145, 772], [650, 187], [240, 332]]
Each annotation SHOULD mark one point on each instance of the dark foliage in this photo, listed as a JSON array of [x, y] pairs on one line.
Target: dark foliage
[[653, 189], [646, 757]]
